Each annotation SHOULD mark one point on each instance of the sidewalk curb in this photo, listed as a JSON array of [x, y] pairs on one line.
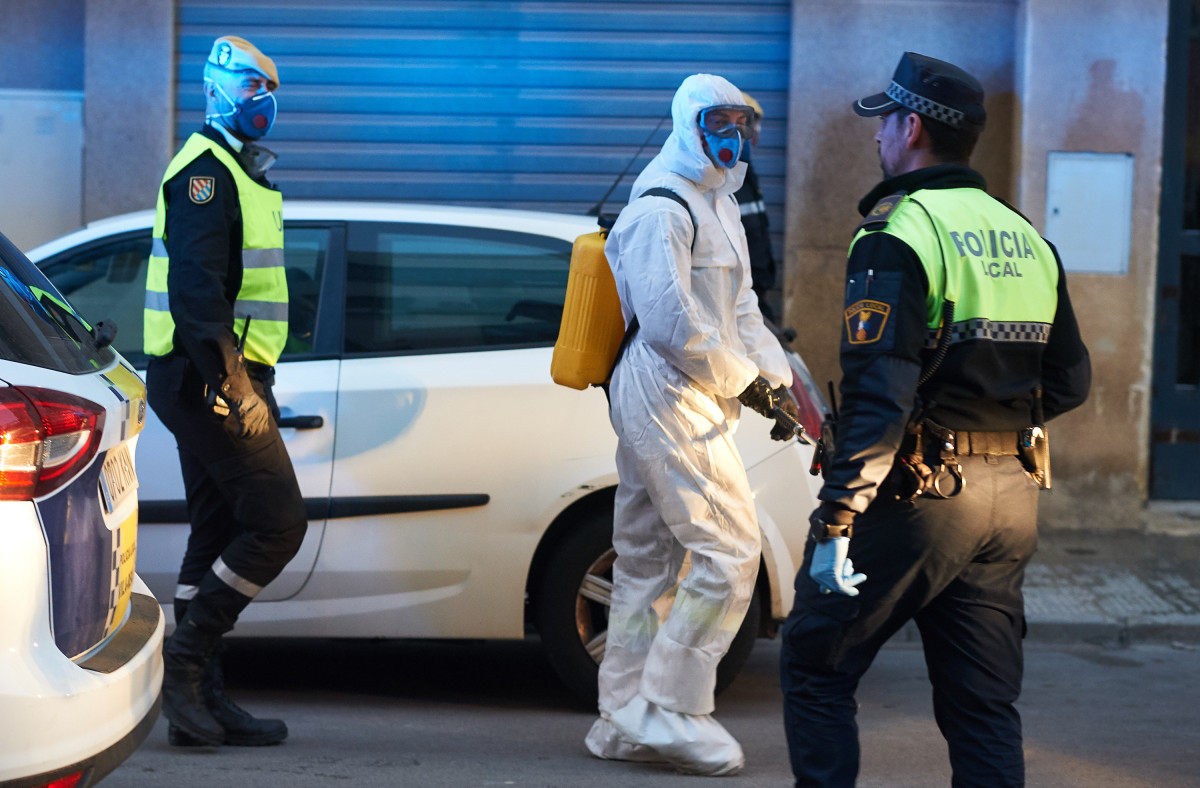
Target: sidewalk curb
[[1112, 633]]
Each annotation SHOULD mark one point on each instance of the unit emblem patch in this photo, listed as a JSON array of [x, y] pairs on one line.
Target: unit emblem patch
[[865, 321], [878, 217], [200, 189]]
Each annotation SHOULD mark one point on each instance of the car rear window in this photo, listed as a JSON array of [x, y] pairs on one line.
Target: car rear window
[[37, 325]]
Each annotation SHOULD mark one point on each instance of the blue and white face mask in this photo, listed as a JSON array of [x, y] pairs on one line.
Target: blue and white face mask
[[251, 118], [725, 128]]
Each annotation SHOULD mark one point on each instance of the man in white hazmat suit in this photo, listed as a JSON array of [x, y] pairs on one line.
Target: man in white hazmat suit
[[701, 345]]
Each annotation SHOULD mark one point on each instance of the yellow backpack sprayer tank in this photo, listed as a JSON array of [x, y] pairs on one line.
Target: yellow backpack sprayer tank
[[593, 333], [592, 327]]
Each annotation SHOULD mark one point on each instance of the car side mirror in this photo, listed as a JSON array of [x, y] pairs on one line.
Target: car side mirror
[[104, 332]]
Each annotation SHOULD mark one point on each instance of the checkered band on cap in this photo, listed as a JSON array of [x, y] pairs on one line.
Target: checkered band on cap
[[951, 117]]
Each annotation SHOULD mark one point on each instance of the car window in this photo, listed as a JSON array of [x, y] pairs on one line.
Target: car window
[[305, 251], [37, 325], [107, 281], [444, 288]]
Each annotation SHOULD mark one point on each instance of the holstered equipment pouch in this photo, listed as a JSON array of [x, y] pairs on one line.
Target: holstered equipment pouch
[[1034, 448], [1034, 451]]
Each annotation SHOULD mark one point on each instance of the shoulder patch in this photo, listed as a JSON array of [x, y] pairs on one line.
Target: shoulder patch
[[201, 188], [865, 321], [877, 218]]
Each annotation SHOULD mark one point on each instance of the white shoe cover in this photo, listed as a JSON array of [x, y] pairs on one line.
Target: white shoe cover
[[692, 743], [604, 741]]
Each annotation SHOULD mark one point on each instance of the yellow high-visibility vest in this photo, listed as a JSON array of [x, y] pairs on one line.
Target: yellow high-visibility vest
[[263, 296], [982, 255]]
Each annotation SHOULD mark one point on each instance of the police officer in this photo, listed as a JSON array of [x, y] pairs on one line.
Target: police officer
[[928, 510], [215, 324], [754, 218]]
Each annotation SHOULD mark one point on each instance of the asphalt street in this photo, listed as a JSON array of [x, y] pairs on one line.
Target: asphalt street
[[432, 714]]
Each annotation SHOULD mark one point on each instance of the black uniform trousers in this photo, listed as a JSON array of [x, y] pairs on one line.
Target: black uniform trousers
[[954, 566], [243, 501]]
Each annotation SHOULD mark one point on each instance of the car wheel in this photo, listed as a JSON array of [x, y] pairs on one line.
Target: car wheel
[[571, 609]]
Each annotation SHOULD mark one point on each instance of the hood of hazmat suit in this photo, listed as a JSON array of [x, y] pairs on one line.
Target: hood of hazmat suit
[[689, 282], [685, 274]]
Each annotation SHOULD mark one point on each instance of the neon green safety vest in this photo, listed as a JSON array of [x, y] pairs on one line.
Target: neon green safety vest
[[1000, 273], [263, 296]]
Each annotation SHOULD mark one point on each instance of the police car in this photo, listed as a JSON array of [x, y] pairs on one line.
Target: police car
[[453, 490], [80, 633]]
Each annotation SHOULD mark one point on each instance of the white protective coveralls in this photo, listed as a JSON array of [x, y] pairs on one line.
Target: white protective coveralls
[[682, 486]]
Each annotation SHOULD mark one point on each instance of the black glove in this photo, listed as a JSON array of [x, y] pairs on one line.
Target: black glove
[[783, 431], [250, 413], [758, 397]]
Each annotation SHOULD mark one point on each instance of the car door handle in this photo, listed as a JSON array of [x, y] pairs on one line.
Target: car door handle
[[301, 422]]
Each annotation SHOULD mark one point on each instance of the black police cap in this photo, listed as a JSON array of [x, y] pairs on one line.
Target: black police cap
[[934, 88]]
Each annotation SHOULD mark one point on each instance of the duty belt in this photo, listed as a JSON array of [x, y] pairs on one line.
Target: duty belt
[[927, 464], [962, 443]]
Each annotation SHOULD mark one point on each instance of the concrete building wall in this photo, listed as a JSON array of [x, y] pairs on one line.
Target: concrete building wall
[[1060, 75], [41, 122], [129, 79], [1094, 77]]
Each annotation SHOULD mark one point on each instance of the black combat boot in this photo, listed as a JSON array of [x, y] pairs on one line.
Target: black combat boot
[[185, 658], [241, 728]]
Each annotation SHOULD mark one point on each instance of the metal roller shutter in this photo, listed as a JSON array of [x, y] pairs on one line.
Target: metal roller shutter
[[511, 104]]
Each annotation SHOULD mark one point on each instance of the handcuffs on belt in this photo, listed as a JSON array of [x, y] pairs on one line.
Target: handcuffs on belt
[[943, 479]]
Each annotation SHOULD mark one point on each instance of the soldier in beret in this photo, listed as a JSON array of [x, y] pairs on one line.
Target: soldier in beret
[[216, 320]]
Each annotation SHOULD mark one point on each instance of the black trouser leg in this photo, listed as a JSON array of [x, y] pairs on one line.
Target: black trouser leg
[[213, 523], [244, 504], [247, 521], [819, 716], [972, 634], [956, 567]]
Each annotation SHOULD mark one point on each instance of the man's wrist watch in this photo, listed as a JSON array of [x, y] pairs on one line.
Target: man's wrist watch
[[822, 530]]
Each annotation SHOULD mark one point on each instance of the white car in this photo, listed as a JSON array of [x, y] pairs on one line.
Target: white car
[[80, 633], [453, 490]]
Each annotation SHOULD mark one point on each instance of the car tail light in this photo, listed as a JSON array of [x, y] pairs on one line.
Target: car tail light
[[45, 438], [808, 397], [68, 781]]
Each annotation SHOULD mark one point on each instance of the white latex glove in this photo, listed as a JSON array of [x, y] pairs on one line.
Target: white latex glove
[[832, 569]]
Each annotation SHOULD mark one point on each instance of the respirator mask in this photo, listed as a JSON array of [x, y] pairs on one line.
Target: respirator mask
[[726, 127], [252, 117]]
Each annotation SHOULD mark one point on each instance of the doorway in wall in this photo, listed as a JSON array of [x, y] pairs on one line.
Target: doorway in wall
[[1175, 405]]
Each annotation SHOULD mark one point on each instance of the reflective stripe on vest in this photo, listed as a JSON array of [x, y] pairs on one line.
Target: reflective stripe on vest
[[1003, 276], [263, 294], [746, 208]]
